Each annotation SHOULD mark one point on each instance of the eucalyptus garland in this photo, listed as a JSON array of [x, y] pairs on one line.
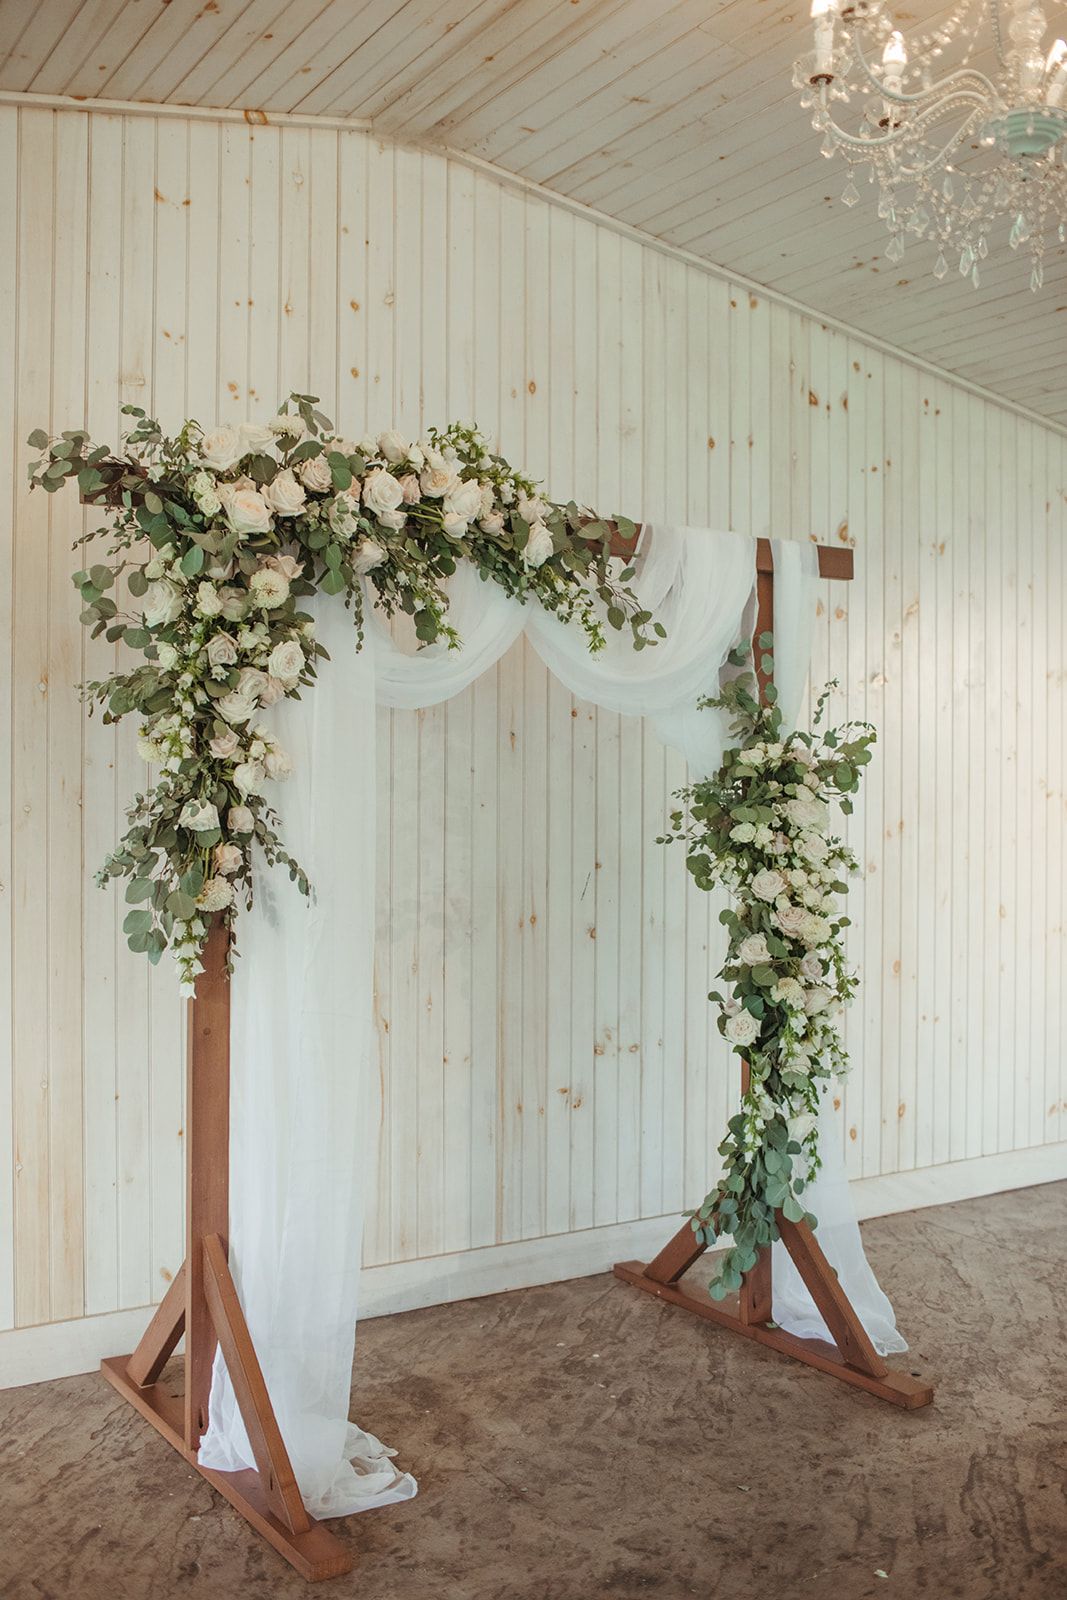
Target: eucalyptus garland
[[760, 829], [214, 543]]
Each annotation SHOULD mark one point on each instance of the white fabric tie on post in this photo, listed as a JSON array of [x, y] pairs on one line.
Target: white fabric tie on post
[[302, 1022]]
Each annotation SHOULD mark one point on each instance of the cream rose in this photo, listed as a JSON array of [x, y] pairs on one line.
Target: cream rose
[[240, 820], [287, 662], [288, 566], [410, 489], [199, 816], [538, 546], [742, 1029], [222, 448], [531, 508], [166, 656], [768, 884], [382, 492], [225, 745], [162, 603], [278, 763], [817, 1000], [228, 858], [236, 707], [439, 479], [284, 495], [315, 474], [234, 603], [222, 650], [753, 951], [743, 833], [248, 512], [492, 522]]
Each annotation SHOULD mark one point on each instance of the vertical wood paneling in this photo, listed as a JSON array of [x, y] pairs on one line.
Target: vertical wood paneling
[[548, 1060]]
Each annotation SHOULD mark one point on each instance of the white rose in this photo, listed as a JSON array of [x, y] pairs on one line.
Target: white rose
[[811, 967], [249, 777], [531, 509], [464, 501], [199, 816], [255, 437], [768, 884], [454, 526], [284, 496], [801, 1125], [492, 522], [162, 603], [438, 480], [743, 833], [817, 1000], [247, 511], [166, 655], [272, 692], [394, 447], [742, 1029], [208, 600], [228, 858], [202, 486], [278, 763], [225, 745], [286, 662], [813, 847], [753, 951], [538, 546], [763, 837], [221, 650], [368, 556], [236, 707], [315, 474], [240, 820], [416, 456], [410, 488], [393, 519], [222, 448], [216, 895], [269, 588], [381, 491]]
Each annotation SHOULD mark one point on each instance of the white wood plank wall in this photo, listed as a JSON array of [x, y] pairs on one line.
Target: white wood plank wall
[[548, 1062]]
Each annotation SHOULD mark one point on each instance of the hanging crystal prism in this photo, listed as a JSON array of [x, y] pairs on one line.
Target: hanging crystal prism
[[849, 194], [940, 266]]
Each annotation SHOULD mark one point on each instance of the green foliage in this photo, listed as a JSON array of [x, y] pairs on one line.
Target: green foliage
[[759, 828]]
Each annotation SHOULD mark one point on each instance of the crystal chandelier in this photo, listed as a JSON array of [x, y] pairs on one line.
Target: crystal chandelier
[[953, 151]]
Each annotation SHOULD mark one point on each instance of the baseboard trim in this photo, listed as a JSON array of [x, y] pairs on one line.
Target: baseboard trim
[[65, 1349]]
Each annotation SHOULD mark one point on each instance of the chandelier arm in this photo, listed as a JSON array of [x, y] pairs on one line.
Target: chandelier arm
[[969, 75], [880, 141]]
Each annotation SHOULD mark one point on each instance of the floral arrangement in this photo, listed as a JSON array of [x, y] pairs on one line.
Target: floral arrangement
[[760, 828], [220, 538]]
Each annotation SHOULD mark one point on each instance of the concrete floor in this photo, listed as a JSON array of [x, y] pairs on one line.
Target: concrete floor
[[583, 1441]]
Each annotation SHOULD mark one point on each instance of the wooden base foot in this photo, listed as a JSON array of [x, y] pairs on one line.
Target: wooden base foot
[[899, 1388], [315, 1553]]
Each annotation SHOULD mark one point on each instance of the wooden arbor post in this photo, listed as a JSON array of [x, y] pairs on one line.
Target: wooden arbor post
[[852, 1357], [202, 1304]]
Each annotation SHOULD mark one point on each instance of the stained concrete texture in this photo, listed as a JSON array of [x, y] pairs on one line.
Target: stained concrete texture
[[583, 1441]]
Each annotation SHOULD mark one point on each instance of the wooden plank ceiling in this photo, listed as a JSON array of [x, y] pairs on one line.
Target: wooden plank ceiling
[[678, 118]]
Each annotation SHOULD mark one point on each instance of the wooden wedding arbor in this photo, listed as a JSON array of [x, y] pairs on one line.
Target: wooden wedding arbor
[[202, 1302]]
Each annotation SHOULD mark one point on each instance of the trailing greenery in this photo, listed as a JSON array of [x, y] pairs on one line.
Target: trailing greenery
[[760, 829], [215, 541]]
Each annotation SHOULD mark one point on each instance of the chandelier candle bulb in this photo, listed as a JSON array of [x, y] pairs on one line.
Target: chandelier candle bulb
[[894, 60], [822, 12], [1056, 73]]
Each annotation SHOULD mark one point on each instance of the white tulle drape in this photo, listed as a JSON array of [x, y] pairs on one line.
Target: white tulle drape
[[796, 577], [302, 1027], [301, 1031]]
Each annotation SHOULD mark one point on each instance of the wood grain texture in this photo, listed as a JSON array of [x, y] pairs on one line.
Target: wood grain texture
[[548, 1059]]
